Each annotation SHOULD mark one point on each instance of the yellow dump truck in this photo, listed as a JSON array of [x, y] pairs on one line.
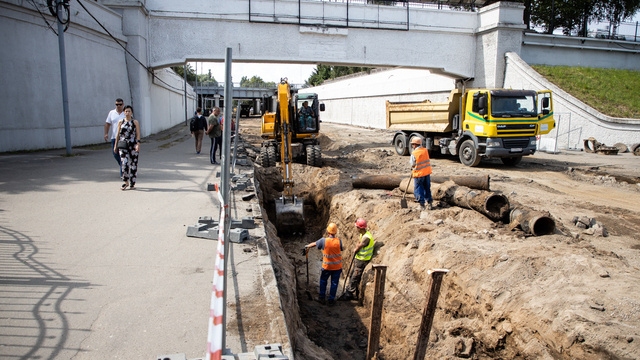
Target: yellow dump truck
[[475, 124]]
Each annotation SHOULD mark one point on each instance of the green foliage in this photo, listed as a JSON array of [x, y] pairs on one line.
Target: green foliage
[[191, 74], [256, 81], [611, 91], [325, 72]]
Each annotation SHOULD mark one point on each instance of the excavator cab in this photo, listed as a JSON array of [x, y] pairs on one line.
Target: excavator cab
[[307, 114]]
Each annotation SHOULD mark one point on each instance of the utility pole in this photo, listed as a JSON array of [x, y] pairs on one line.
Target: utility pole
[[60, 5], [186, 117], [225, 179]]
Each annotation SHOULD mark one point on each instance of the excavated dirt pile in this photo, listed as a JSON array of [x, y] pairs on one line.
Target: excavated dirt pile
[[568, 295]]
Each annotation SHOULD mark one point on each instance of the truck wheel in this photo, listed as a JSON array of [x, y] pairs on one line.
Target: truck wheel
[[511, 161], [263, 158], [271, 150], [400, 143], [468, 154]]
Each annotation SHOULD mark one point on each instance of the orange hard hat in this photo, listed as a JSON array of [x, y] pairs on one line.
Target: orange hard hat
[[361, 223], [416, 140], [332, 229]]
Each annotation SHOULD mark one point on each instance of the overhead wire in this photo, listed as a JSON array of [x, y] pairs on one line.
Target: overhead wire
[[149, 71], [42, 15]]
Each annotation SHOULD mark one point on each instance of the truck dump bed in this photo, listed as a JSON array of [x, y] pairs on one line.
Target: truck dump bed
[[423, 116]]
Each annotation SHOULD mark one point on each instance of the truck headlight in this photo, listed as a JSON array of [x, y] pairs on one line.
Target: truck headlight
[[533, 142], [493, 143]]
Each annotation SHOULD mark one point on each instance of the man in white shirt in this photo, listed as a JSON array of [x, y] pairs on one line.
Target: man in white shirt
[[113, 118]]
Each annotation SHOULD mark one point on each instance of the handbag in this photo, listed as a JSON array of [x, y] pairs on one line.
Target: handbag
[[122, 144]]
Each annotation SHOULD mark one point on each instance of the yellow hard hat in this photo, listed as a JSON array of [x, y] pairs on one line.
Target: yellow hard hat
[[332, 229]]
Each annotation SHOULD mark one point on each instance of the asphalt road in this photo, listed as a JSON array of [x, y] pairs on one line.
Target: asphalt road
[[88, 271]]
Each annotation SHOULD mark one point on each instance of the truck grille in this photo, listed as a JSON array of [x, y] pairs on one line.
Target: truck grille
[[515, 143], [516, 129]]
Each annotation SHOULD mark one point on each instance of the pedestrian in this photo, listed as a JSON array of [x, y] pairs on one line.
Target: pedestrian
[[361, 256], [113, 119], [129, 132], [331, 248], [421, 166], [197, 125], [215, 134]]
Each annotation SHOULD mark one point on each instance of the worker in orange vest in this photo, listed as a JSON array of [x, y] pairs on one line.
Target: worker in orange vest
[[421, 166], [331, 248]]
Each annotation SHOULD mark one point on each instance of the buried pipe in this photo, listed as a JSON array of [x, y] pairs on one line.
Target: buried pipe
[[390, 182], [533, 222], [492, 205]]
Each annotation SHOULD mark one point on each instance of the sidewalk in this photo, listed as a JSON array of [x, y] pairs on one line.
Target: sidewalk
[[92, 272]]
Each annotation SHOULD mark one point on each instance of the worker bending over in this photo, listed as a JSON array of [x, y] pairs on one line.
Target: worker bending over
[[362, 255], [331, 248], [421, 166]]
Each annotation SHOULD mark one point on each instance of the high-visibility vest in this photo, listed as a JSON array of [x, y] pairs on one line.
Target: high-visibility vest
[[331, 254], [423, 164], [366, 252]]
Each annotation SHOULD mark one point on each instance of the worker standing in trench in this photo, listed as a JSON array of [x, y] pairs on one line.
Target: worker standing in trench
[[421, 165], [361, 255], [331, 248]]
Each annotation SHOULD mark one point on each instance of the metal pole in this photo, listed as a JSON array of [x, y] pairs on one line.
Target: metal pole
[[428, 313], [226, 150], [376, 311], [235, 141], [635, 37], [186, 116], [63, 77], [568, 132], [555, 147]]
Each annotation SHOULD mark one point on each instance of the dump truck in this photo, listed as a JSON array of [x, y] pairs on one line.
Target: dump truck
[[475, 124]]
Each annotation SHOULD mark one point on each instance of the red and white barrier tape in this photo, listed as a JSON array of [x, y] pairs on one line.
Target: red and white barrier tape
[[214, 338]]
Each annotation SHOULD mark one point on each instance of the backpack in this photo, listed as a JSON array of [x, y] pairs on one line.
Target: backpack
[[192, 124]]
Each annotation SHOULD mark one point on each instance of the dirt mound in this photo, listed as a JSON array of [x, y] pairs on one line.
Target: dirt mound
[[507, 295]]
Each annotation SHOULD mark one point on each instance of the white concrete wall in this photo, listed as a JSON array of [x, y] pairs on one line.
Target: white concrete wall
[[31, 94], [360, 100], [575, 120]]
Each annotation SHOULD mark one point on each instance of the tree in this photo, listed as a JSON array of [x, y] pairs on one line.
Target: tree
[[325, 72], [255, 81], [191, 74]]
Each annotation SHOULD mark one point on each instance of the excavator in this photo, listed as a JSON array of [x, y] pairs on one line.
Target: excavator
[[289, 135]]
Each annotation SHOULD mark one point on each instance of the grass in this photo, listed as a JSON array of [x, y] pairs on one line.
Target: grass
[[613, 92]]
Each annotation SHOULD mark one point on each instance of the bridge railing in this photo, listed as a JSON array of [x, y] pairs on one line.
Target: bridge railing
[[215, 84]]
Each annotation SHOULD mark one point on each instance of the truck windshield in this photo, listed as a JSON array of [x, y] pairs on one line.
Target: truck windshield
[[513, 106]]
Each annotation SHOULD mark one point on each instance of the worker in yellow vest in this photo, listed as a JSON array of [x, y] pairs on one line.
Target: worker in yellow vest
[[421, 165], [331, 248], [361, 256]]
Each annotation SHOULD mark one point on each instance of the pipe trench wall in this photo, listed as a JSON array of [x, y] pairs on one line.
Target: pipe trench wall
[[98, 72]]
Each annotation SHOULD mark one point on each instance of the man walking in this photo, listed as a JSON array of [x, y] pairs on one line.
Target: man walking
[[215, 134], [113, 118], [362, 256], [331, 248], [198, 125], [421, 166]]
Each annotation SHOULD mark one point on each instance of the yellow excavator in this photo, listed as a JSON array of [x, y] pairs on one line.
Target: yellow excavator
[[290, 133]]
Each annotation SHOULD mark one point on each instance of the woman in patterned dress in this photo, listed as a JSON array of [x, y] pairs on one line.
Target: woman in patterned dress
[[129, 130]]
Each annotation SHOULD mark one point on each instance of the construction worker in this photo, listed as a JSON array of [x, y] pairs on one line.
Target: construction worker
[[331, 248], [361, 256], [421, 166]]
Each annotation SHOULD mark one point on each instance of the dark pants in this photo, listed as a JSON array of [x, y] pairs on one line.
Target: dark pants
[[356, 277], [335, 279], [216, 144], [422, 189], [116, 154]]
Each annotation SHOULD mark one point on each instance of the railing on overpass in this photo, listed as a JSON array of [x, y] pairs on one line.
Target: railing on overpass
[[215, 84], [363, 17]]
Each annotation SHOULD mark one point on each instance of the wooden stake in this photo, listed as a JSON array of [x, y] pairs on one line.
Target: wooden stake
[[376, 311], [428, 313]]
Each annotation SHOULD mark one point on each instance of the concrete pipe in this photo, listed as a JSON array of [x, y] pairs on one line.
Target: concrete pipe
[[492, 205], [536, 223]]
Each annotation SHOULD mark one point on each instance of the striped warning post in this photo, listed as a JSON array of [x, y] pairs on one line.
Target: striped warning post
[[214, 338]]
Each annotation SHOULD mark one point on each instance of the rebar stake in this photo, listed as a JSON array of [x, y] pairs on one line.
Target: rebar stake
[[428, 313], [376, 311]]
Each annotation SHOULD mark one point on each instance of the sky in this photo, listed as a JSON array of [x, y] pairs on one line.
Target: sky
[[296, 73]]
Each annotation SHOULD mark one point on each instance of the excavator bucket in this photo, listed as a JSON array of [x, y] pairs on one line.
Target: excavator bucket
[[289, 215]]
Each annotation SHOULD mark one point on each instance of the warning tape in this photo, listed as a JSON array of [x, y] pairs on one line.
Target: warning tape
[[216, 311]]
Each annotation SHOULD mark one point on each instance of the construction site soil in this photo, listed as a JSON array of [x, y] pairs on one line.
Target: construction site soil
[[508, 295]]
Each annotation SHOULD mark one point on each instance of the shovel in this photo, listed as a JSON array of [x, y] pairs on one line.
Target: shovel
[[307, 290], [403, 202], [346, 280]]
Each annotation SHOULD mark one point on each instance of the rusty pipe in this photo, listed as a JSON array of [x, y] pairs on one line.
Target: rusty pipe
[[390, 182], [533, 222], [492, 205]]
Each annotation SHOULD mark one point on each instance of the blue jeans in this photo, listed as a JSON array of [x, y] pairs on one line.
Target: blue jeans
[[116, 154], [422, 189], [335, 279]]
